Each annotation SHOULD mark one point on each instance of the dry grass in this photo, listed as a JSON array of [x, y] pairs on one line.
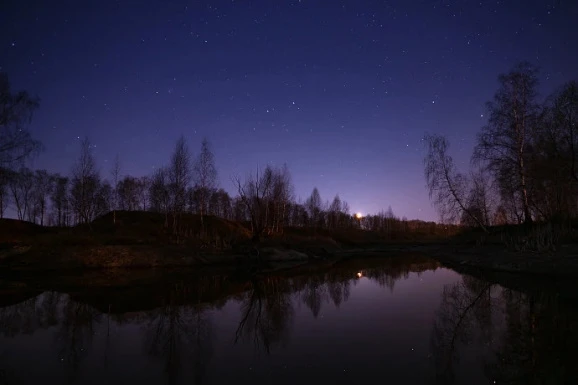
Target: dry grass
[[542, 237]]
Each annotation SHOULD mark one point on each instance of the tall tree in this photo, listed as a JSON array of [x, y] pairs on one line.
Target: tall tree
[[21, 186], [313, 205], [446, 186], [102, 198], [4, 195], [128, 193], [16, 110], [205, 175], [253, 193], [59, 198], [43, 185], [281, 195], [479, 200], [503, 143], [115, 173], [85, 184], [179, 175], [565, 116], [143, 184], [335, 212], [159, 192]]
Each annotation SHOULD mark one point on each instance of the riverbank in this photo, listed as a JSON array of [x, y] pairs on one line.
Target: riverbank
[[271, 256], [559, 263], [139, 240]]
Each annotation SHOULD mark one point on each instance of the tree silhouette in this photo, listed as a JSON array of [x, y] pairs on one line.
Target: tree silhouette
[[85, 184], [503, 143], [179, 177], [446, 186], [16, 110], [205, 176]]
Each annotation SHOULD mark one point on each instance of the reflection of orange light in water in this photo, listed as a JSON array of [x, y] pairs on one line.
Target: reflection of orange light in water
[[359, 274]]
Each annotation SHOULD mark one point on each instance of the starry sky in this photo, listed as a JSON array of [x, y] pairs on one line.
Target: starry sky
[[341, 91]]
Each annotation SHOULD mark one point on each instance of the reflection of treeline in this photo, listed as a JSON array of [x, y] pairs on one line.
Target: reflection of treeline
[[206, 291], [177, 326], [524, 338]]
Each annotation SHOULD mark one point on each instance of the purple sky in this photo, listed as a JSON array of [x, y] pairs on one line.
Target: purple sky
[[341, 91]]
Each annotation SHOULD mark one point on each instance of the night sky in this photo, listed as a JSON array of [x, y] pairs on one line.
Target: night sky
[[341, 91]]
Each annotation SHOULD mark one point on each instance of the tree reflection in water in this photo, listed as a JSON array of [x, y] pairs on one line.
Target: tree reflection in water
[[75, 332], [539, 343], [266, 313], [267, 308], [465, 307], [518, 338], [523, 338], [181, 336]]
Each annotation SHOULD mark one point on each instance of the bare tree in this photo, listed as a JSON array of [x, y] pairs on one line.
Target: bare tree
[[446, 186], [280, 197], [59, 198], [128, 193], [220, 204], [143, 184], [16, 110], [253, 193], [565, 116], [205, 176], [335, 212], [115, 173], [503, 142], [179, 176], [159, 193], [43, 185], [313, 205], [21, 186], [103, 197], [4, 195], [479, 202], [85, 184]]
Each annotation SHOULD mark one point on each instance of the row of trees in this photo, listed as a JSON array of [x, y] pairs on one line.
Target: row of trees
[[524, 160], [185, 185], [265, 199]]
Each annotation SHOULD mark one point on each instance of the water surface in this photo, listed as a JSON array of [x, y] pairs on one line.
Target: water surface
[[396, 321]]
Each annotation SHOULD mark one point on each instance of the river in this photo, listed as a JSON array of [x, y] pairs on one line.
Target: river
[[394, 321]]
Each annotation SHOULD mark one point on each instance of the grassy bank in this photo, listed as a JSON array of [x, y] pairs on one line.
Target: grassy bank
[[141, 240], [148, 240], [544, 249]]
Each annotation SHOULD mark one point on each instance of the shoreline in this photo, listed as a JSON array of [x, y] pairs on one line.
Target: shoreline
[[24, 259]]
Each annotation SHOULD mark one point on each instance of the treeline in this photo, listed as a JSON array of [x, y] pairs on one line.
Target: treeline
[[524, 162], [265, 199]]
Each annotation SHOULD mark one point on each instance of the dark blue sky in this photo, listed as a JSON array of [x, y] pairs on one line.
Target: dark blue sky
[[341, 91]]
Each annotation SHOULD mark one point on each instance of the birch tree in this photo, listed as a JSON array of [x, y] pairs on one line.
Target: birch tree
[[503, 143], [205, 176], [16, 110], [447, 188]]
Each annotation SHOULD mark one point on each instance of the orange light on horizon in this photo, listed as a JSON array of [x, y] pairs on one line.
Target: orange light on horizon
[[358, 215], [359, 275]]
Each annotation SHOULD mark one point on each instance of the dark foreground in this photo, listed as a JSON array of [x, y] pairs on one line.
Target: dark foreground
[[405, 320], [142, 240]]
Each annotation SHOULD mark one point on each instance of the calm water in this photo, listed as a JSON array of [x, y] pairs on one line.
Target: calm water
[[391, 322]]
